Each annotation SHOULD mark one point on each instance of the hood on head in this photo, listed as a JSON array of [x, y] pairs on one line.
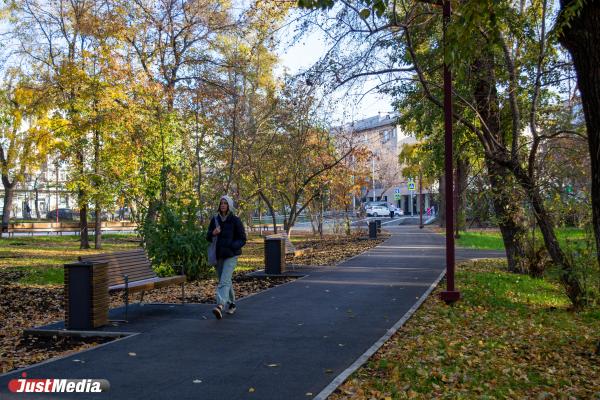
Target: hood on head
[[229, 201]]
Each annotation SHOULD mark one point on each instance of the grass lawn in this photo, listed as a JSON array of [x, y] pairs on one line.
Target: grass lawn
[[40, 259], [492, 240], [510, 336]]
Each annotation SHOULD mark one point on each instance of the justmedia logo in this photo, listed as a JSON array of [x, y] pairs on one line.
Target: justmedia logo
[[51, 385]]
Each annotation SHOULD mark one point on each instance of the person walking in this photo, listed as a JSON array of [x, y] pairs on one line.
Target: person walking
[[227, 229]]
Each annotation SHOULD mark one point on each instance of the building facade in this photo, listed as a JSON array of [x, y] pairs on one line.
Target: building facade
[[42, 191], [382, 136]]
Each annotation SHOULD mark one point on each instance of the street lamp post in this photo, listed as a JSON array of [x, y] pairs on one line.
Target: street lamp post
[[450, 295], [420, 198]]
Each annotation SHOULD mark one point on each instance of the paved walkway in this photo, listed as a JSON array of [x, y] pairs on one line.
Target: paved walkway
[[289, 342]]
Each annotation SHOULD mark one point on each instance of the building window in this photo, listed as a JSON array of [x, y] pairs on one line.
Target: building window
[[386, 136]]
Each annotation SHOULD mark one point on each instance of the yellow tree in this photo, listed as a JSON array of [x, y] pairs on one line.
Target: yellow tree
[[24, 141]]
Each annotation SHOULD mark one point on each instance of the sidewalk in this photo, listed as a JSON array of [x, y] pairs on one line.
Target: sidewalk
[[289, 342]]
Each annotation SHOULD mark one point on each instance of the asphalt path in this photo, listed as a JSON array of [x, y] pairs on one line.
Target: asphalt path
[[295, 341]]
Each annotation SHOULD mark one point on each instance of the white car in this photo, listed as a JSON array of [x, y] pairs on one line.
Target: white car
[[376, 211]]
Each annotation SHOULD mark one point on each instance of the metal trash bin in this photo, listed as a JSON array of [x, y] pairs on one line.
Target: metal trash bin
[[372, 230], [274, 255], [86, 295]]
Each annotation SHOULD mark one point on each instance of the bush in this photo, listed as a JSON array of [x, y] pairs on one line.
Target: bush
[[176, 238], [582, 255]]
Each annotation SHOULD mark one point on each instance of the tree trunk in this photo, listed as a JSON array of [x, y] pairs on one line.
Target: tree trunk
[[320, 225], [36, 205], [312, 221], [506, 200], [83, 225], [462, 175], [544, 222], [9, 192], [97, 211], [510, 215], [442, 205], [83, 208], [98, 228], [581, 37], [271, 211]]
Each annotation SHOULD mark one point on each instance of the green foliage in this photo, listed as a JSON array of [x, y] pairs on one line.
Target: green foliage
[[176, 239], [586, 270], [322, 4]]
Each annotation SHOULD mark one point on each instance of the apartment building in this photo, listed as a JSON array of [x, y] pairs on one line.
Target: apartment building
[[45, 187], [383, 137]]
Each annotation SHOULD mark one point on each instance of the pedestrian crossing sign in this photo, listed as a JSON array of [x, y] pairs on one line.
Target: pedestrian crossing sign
[[411, 186]]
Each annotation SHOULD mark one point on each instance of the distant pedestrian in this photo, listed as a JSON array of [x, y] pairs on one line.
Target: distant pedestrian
[[391, 212], [227, 229]]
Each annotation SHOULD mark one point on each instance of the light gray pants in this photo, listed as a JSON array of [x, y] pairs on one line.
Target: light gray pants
[[225, 267]]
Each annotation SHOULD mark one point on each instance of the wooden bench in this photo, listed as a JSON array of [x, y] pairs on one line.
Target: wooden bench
[[131, 271]]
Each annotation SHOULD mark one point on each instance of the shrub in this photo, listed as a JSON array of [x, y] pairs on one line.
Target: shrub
[[176, 238], [582, 256]]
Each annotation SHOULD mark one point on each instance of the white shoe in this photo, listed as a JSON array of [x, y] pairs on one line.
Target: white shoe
[[231, 309]]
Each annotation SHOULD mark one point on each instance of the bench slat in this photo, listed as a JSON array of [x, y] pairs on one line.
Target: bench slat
[[120, 253], [149, 283], [112, 264], [130, 268], [116, 258], [129, 265], [118, 278]]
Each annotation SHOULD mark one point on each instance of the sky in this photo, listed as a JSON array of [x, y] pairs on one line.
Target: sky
[[297, 56]]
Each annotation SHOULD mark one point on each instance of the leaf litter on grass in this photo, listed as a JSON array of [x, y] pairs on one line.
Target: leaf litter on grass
[[491, 344]]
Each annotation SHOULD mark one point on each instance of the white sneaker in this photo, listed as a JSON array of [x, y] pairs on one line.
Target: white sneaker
[[231, 309]]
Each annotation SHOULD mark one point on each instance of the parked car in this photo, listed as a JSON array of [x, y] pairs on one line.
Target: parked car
[[369, 204], [63, 214], [377, 210]]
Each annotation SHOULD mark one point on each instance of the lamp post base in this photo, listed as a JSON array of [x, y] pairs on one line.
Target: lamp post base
[[450, 297]]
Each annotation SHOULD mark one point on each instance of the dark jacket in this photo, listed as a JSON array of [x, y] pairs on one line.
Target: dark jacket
[[232, 237]]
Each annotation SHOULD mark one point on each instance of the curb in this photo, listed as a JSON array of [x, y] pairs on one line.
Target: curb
[[338, 380]]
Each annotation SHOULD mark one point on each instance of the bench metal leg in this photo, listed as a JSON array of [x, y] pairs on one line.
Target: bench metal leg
[[126, 297]]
